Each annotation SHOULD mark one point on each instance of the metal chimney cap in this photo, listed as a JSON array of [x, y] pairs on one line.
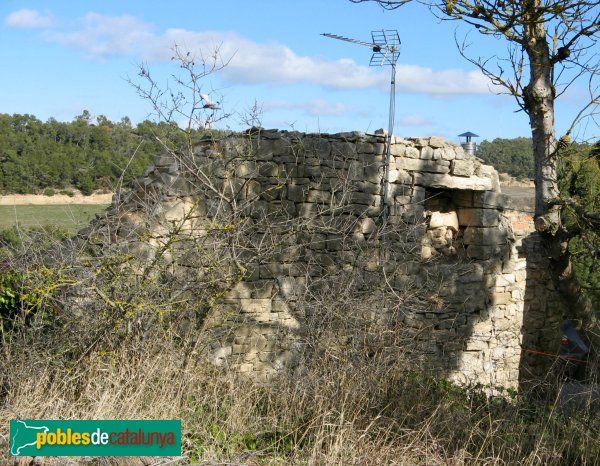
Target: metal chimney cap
[[468, 134]]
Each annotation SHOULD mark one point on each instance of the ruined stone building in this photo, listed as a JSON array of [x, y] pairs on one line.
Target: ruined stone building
[[454, 278]]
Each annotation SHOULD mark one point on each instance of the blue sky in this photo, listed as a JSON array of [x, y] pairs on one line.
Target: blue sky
[[61, 57]]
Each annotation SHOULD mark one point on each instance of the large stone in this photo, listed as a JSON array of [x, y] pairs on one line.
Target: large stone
[[444, 219], [436, 142], [445, 181], [478, 217], [426, 153], [418, 165], [463, 167], [493, 200], [484, 236]]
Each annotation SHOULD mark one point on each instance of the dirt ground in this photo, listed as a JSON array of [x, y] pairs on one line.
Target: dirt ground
[[57, 199]]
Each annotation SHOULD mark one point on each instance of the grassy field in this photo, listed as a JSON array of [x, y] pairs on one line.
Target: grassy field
[[70, 217]]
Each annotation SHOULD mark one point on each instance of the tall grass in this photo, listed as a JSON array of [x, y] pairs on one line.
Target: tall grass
[[342, 408]]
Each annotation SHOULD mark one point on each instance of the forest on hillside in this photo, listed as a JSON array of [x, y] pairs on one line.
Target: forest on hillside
[[515, 156], [86, 154]]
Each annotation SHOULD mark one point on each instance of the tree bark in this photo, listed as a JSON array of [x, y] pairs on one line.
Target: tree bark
[[539, 96]]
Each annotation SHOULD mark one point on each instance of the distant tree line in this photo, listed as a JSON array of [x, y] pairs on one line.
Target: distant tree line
[[515, 156], [86, 154], [512, 156]]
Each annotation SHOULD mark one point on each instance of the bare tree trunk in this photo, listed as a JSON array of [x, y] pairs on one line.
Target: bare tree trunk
[[539, 96]]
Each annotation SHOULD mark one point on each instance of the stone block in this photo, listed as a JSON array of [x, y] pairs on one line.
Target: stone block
[[367, 225], [363, 186], [446, 181], [360, 198], [478, 252], [476, 345], [437, 154], [478, 217], [252, 189], [419, 165], [418, 194], [318, 145], [343, 149], [399, 177], [282, 208], [448, 153], [275, 269], [411, 152], [246, 169], [500, 298], [373, 172], [313, 171], [297, 193], [267, 149], [426, 153], [246, 367], [355, 170], [436, 142], [463, 167], [484, 236], [255, 306], [257, 342], [366, 148], [492, 200], [398, 150], [444, 219], [269, 169], [319, 196], [402, 200]]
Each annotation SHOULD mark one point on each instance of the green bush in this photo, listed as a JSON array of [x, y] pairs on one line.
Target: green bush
[[49, 192], [15, 304], [9, 238], [67, 192]]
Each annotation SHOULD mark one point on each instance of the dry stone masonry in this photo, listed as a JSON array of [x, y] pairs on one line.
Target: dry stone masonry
[[454, 277]]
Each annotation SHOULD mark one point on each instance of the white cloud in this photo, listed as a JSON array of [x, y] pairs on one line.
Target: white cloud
[[250, 62], [27, 19], [413, 78], [104, 36]]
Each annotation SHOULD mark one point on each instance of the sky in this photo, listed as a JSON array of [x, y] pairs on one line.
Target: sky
[[61, 57]]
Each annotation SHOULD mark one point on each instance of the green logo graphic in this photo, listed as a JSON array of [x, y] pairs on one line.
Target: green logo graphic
[[95, 438]]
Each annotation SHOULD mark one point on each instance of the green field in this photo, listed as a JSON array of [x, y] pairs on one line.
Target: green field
[[71, 217]]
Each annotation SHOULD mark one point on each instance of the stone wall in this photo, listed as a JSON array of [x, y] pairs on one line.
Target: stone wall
[[453, 278]]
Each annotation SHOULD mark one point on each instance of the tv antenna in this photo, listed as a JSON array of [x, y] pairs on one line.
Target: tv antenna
[[386, 50]]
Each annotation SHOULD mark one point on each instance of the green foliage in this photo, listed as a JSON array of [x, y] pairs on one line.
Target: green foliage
[[580, 181], [49, 192], [512, 156], [35, 156], [17, 300], [15, 241], [10, 297], [9, 238]]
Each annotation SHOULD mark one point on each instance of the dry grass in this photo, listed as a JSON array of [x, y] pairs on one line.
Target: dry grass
[[344, 408]]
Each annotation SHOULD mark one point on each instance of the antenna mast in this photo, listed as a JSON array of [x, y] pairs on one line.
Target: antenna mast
[[386, 50]]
